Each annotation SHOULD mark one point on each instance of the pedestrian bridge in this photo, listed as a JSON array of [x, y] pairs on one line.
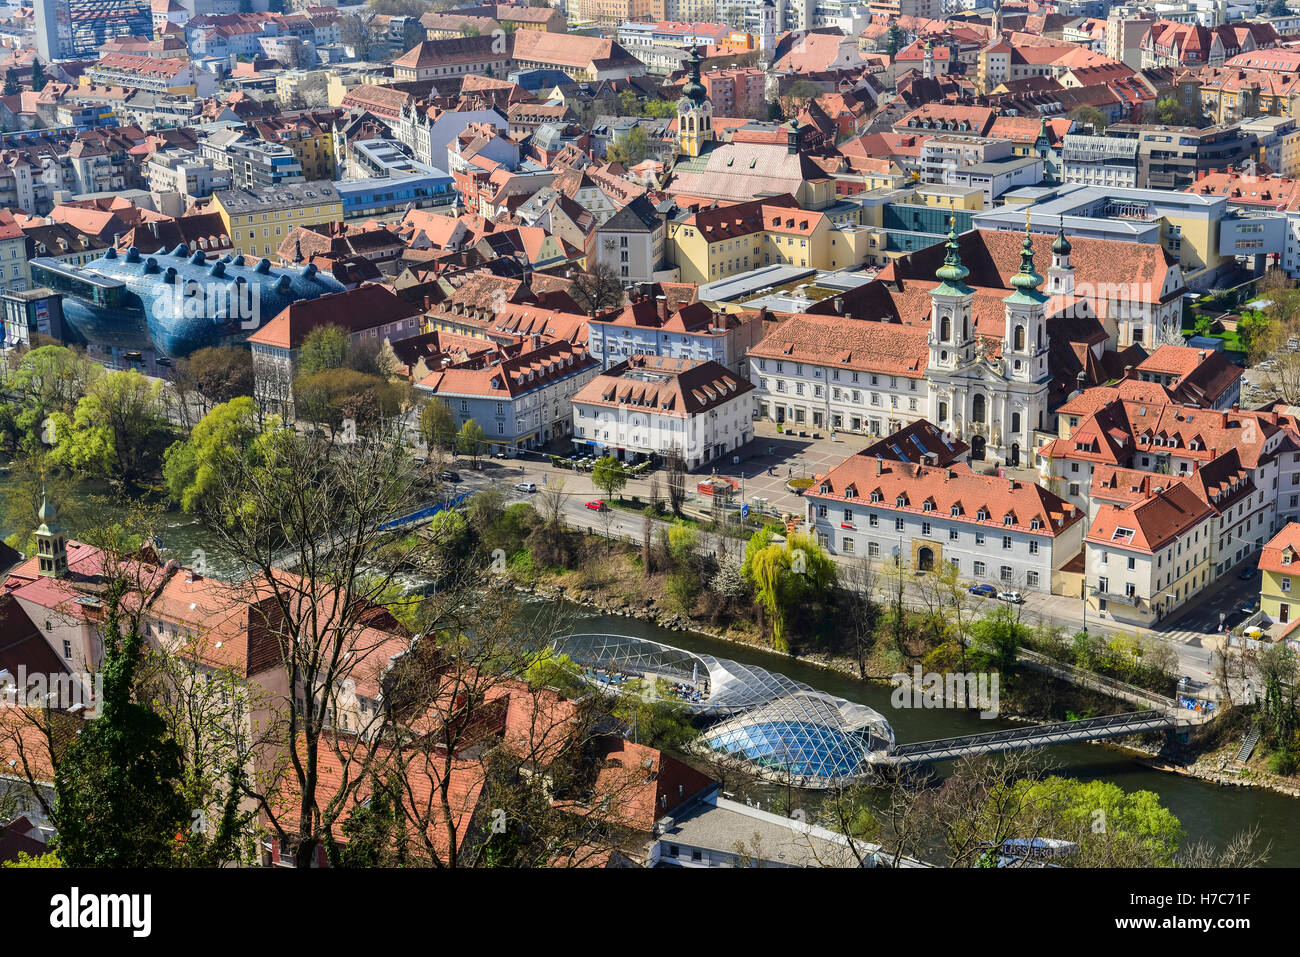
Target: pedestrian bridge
[[783, 729], [1030, 736]]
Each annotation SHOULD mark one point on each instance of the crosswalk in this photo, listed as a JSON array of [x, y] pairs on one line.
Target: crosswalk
[[1185, 637]]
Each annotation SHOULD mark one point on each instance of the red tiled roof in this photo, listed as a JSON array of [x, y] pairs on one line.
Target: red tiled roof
[[365, 307], [1282, 553], [924, 488]]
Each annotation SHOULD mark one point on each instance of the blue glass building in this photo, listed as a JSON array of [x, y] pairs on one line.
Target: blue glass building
[[173, 303]]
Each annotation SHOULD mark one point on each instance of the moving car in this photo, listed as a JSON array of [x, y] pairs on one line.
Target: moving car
[[1247, 574], [984, 591], [598, 506], [1012, 596], [526, 486]]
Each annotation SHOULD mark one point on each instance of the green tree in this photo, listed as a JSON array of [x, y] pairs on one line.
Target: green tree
[[1278, 8], [48, 859], [1277, 671], [786, 576], [1111, 826], [38, 76], [333, 397], [1252, 329], [113, 430], [629, 104], [29, 480], [438, 425], [326, 347], [995, 640], [1089, 116], [895, 40], [222, 373], [11, 87], [118, 802], [660, 109], [609, 476], [630, 148], [652, 716], [471, 440], [54, 377], [191, 468]]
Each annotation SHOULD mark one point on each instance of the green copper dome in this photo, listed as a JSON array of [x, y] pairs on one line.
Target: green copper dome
[[48, 516], [1025, 282], [952, 273], [1027, 278], [693, 90], [1061, 245]]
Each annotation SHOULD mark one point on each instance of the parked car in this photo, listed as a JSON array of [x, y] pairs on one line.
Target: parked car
[[1246, 574], [1247, 607], [1014, 597], [526, 486], [448, 475], [984, 591], [499, 454], [598, 506]]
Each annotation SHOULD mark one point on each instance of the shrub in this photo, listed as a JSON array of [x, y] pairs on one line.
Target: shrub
[[683, 587]]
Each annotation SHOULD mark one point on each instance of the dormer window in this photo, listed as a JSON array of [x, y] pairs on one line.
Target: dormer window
[[1286, 558], [900, 501], [1035, 524], [955, 510], [927, 506], [1008, 519], [981, 515], [875, 496]]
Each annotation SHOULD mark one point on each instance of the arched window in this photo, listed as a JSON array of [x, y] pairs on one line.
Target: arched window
[[978, 409], [1019, 342], [945, 329], [1015, 422]]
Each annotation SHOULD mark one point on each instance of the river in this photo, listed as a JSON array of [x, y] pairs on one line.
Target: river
[[1208, 811]]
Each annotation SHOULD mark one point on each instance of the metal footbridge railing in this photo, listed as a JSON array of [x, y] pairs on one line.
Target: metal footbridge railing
[[1031, 736]]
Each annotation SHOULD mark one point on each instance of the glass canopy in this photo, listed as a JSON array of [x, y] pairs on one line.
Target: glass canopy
[[776, 726]]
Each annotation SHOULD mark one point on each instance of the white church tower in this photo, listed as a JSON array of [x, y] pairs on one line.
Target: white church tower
[[1024, 342], [952, 328]]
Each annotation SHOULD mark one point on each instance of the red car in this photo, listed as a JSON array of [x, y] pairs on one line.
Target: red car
[[598, 506]]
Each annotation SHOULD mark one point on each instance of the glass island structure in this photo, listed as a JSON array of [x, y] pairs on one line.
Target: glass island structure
[[776, 727]]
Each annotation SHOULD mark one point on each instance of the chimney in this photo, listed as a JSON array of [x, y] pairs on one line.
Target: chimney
[[661, 303], [1011, 484], [952, 473], [879, 465], [427, 304]]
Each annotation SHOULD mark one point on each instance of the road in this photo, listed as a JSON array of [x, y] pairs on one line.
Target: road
[[1191, 634]]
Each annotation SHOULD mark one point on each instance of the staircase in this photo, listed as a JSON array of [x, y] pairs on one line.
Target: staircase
[[1247, 747]]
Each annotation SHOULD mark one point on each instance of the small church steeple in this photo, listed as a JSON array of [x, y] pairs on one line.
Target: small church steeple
[[51, 544], [694, 111], [1060, 278]]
